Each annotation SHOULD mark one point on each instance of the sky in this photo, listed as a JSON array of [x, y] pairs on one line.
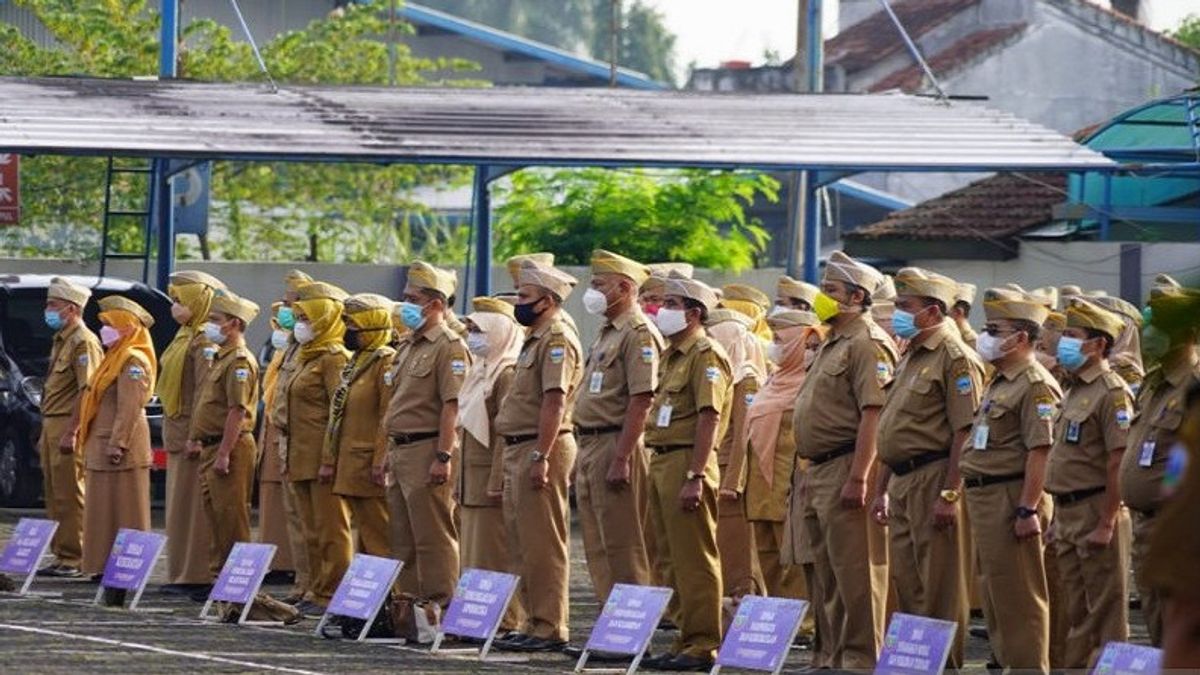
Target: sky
[[712, 31]]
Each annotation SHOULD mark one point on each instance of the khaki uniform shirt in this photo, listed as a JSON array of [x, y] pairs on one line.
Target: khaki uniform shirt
[[483, 465], [848, 374], [1018, 412], [1095, 419], [695, 375], [935, 393], [121, 420], [360, 445], [550, 360], [733, 446], [231, 382], [1160, 406], [623, 362], [74, 356], [277, 415], [308, 392], [427, 373]]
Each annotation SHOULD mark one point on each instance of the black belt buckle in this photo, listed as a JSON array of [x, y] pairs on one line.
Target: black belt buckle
[[598, 431], [1077, 496], [831, 455], [908, 466], [665, 449], [407, 439], [984, 481], [514, 440]]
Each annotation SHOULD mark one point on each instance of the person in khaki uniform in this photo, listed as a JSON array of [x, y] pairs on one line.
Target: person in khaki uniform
[[494, 339], [313, 376], [835, 421], [751, 303], [689, 415], [182, 369], [115, 432], [611, 470], [355, 454], [272, 513], [1091, 548], [539, 451], [74, 356], [1004, 468], [1126, 356], [924, 423], [419, 426], [222, 426], [650, 294], [514, 265], [1160, 419], [960, 313], [792, 294]]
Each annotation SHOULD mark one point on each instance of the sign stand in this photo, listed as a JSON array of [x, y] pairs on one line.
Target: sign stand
[[477, 608], [25, 551], [133, 557], [915, 644], [761, 634], [240, 580], [363, 590], [628, 621]]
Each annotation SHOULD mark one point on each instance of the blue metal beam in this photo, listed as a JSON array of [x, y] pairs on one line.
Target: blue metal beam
[[482, 213], [812, 233], [162, 210], [815, 47]]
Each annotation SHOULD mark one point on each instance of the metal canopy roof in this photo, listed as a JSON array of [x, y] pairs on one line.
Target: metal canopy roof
[[518, 126]]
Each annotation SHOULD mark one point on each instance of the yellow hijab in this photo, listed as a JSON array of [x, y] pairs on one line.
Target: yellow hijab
[[756, 314], [135, 342], [271, 375], [325, 317], [197, 298]]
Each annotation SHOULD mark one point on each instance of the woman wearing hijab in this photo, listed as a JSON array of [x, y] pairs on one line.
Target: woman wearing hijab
[[272, 514], [115, 433], [355, 453], [309, 389], [494, 338], [181, 369]]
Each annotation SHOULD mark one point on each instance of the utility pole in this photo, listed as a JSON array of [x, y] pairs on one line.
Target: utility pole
[[805, 245], [614, 46], [392, 45], [161, 204]]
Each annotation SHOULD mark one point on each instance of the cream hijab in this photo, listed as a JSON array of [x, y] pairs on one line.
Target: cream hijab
[[504, 337]]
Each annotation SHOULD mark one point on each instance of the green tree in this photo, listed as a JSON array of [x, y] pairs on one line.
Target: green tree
[[698, 216], [1188, 31]]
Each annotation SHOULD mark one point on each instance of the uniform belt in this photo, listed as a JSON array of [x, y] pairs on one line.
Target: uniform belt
[[909, 465], [1077, 495], [213, 440], [597, 431], [831, 455], [406, 439], [984, 481], [524, 438], [664, 449]]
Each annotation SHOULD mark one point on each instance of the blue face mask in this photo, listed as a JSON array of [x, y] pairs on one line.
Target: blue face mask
[[54, 320], [1070, 353], [410, 315], [904, 324], [286, 317]]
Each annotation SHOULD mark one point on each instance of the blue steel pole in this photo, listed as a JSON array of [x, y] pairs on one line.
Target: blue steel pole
[[815, 48], [483, 232], [160, 183], [1106, 209], [812, 230]]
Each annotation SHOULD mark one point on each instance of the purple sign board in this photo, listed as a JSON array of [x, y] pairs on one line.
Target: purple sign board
[[1122, 658], [762, 632], [130, 562], [479, 603], [241, 577], [24, 552], [629, 619], [915, 644], [363, 590]]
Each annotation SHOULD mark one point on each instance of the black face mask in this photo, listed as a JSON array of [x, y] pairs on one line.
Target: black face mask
[[353, 340], [525, 314]]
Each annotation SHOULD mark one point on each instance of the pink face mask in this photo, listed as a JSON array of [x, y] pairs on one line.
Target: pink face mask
[[109, 335]]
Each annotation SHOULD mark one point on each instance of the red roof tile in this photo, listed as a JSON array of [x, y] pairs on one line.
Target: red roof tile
[[950, 59], [876, 38]]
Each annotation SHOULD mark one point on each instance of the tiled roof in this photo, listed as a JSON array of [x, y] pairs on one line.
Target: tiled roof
[[876, 38], [950, 59], [996, 207]]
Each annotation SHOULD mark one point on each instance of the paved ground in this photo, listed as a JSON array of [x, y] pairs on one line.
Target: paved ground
[[69, 635]]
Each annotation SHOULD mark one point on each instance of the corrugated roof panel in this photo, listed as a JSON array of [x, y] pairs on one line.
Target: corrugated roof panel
[[550, 126]]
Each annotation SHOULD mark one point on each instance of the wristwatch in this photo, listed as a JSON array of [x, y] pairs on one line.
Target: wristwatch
[[949, 496], [1026, 512], [692, 475], [443, 457], [536, 457]]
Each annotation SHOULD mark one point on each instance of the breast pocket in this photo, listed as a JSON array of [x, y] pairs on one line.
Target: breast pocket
[[921, 393], [836, 366]]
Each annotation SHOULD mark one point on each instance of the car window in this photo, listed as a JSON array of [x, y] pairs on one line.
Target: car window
[[26, 335]]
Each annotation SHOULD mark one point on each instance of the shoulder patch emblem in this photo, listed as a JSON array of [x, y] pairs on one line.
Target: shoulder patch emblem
[[458, 366], [1045, 408], [241, 374], [883, 372], [712, 373], [963, 384], [749, 400], [1123, 418], [388, 377], [136, 372], [648, 353], [557, 354], [83, 359]]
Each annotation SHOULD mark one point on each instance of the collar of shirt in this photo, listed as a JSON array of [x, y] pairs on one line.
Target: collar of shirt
[[1089, 373], [230, 347], [855, 326], [937, 336], [688, 343], [544, 328], [1014, 371], [66, 331], [623, 320]]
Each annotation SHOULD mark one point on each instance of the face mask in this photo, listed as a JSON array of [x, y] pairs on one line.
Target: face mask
[[594, 302], [778, 309], [304, 332], [525, 314], [904, 324], [775, 352], [478, 344], [180, 313], [279, 338], [353, 340], [286, 318], [410, 315], [53, 319], [109, 335], [990, 348], [826, 307], [651, 308], [670, 321], [1070, 353], [213, 332]]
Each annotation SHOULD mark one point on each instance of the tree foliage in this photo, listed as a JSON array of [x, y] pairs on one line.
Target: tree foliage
[[1188, 31], [697, 216]]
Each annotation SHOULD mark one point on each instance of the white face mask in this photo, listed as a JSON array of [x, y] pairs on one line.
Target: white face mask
[[670, 321], [778, 309], [775, 352], [594, 302], [279, 338], [990, 348], [213, 332], [304, 332], [478, 344]]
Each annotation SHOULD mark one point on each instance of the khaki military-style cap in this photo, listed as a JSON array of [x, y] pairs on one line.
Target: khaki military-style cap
[[1069, 291], [842, 267], [321, 290], [1083, 313], [677, 284], [69, 291], [664, 269], [488, 305], [721, 315], [111, 302], [184, 277], [926, 284], [294, 279], [1049, 294], [514, 264], [1007, 303], [552, 279], [607, 262], [427, 277], [226, 302], [1164, 285], [965, 293], [1055, 321], [509, 297], [792, 317], [363, 302], [746, 293], [1119, 306], [788, 287], [886, 291]]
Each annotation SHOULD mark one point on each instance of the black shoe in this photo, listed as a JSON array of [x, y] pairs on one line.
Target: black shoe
[[803, 642], [655, 662], [279, 578], [95, 578], [686, 663], [200, 593], [61, 572], [310, 610], [980, 632], [667, 624], [534, 644], [597, 656], [510, 642], [48, 571]]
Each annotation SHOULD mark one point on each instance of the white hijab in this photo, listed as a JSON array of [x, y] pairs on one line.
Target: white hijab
[[504, 338]]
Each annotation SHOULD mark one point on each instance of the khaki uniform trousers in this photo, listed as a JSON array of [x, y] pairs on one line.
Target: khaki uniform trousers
[[1095, 581], [538, 523], [62, 490], [370, 520], [298, 536], [226, 499], [689, 539], [1056, 595], [779, 580], [927, 567], [1012, 577], [740, 572], [114, 500], [849, 570], [327, 537], [612, 520], [1143, 528], [424, 535], [485, 546], [189, 537], [272, 515]]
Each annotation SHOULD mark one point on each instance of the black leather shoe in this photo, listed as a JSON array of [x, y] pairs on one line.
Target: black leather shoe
[[200, 593], [534, 644], [687, 663], [61, 572], [655, 662], [979, 632], [598, 656], [510, 642]]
